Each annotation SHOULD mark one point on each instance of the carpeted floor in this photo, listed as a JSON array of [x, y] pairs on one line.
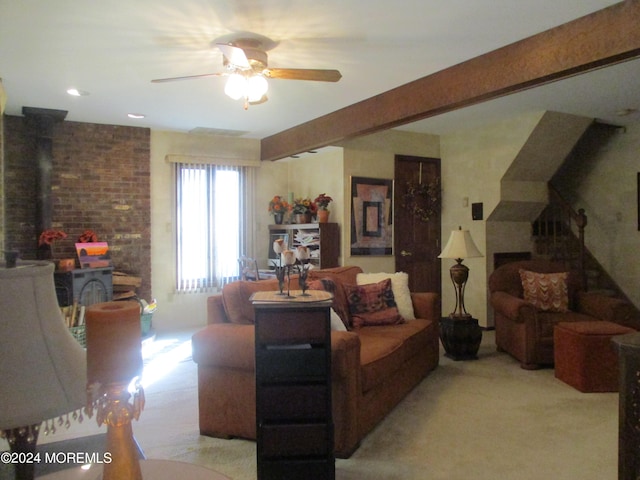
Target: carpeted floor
[[482, 419]]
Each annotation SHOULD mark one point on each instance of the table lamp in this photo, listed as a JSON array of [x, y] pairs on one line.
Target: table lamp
[[114, 360], [43, 368], [459, 247]]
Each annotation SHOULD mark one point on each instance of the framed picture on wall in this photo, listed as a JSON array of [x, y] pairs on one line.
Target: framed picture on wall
[[371, 216]]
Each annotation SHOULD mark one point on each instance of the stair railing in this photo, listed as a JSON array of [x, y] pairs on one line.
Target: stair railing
[[566, 220]]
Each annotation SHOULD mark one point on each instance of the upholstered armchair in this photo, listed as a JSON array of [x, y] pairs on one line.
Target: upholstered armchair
[[525, 330]]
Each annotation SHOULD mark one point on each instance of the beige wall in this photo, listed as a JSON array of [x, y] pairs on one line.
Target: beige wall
[[473, 163], [374, 156], [328, 171], [180, 310], [305, 177]]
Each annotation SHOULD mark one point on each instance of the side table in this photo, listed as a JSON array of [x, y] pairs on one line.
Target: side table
[[461, 337], [294, 423]]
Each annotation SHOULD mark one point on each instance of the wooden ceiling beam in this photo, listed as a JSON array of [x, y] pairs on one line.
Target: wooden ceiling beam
[[600, 39]]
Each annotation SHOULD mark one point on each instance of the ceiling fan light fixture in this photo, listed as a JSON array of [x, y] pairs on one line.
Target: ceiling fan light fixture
[[236, 86], [257, 87]]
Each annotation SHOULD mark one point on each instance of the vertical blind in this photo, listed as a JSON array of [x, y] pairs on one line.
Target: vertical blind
[[211, 213]]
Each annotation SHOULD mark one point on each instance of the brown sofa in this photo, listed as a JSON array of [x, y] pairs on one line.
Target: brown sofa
[[373, 368], [527, 333]]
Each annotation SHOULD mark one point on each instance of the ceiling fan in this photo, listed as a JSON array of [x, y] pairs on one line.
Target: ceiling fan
[[246, 64]]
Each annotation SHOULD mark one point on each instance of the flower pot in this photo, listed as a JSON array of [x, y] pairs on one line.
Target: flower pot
[[278, 217], [323, 216], [302, 217]]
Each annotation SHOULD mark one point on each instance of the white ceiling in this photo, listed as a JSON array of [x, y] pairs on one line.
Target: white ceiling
[[113, 48]]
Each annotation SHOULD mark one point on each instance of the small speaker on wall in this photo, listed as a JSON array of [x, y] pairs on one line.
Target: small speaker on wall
[[476, 211]]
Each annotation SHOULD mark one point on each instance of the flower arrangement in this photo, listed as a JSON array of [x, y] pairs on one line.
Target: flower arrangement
[[47, 237], [88, 236], [303, 205], [278, 205], [322, 201]]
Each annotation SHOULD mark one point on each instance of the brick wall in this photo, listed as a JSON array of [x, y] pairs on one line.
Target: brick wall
[[100, 181]]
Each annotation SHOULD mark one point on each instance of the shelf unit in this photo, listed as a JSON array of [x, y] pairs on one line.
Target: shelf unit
[[294, 424], [323, 240]]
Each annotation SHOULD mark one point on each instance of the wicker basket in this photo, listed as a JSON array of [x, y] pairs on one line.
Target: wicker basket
[[79, 334]]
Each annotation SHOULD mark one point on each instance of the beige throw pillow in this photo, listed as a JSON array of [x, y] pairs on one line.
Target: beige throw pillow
[[399, 286], [548, 292]]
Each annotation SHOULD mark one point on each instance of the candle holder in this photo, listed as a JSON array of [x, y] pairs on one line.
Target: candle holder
[[114, 361], [303, 272], [280, 271], [113, 409]]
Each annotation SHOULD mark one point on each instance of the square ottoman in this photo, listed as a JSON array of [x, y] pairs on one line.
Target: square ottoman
[[584, 355]]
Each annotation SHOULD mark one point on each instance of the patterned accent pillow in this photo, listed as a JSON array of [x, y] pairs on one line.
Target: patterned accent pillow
[[372, 304], [400, 287], [548, 292]]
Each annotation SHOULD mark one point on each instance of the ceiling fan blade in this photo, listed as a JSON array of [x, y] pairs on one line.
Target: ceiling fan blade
[[303, 74], [235, 55], [189, 77]]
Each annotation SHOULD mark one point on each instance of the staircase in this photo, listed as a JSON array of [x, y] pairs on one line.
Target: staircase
[[553, 159], [558, 235]]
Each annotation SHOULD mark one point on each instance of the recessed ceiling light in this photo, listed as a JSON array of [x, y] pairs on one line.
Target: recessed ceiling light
[[77, 93], [135, 115]]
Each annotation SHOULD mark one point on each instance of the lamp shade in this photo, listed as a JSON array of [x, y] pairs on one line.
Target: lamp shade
[[460, 245], [42, 367]]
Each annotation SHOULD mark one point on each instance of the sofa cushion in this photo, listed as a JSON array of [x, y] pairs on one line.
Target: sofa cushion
[[372, 304], [235, 297], [548, 292], [344, 275], [400, 287], [225, 345], [385, 349]]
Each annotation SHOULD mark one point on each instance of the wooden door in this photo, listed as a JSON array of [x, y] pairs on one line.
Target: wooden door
[[417, 221]]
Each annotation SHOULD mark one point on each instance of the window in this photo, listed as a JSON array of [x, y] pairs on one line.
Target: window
[[210, 219]]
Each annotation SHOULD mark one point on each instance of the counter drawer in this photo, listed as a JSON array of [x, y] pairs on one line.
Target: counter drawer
[[291, 364], [289, 440], [294, 402], [291, 326]]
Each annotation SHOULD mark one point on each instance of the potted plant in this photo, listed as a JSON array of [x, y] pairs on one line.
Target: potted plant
[[322, 201], [303, 209], [45, 245], [278, 206]]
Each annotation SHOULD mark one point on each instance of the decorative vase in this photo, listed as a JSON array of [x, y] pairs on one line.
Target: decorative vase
[[278, 217], [302, 218], [323, 216]]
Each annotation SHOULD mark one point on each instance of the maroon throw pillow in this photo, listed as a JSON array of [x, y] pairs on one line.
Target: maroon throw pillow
[[372, 304]]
